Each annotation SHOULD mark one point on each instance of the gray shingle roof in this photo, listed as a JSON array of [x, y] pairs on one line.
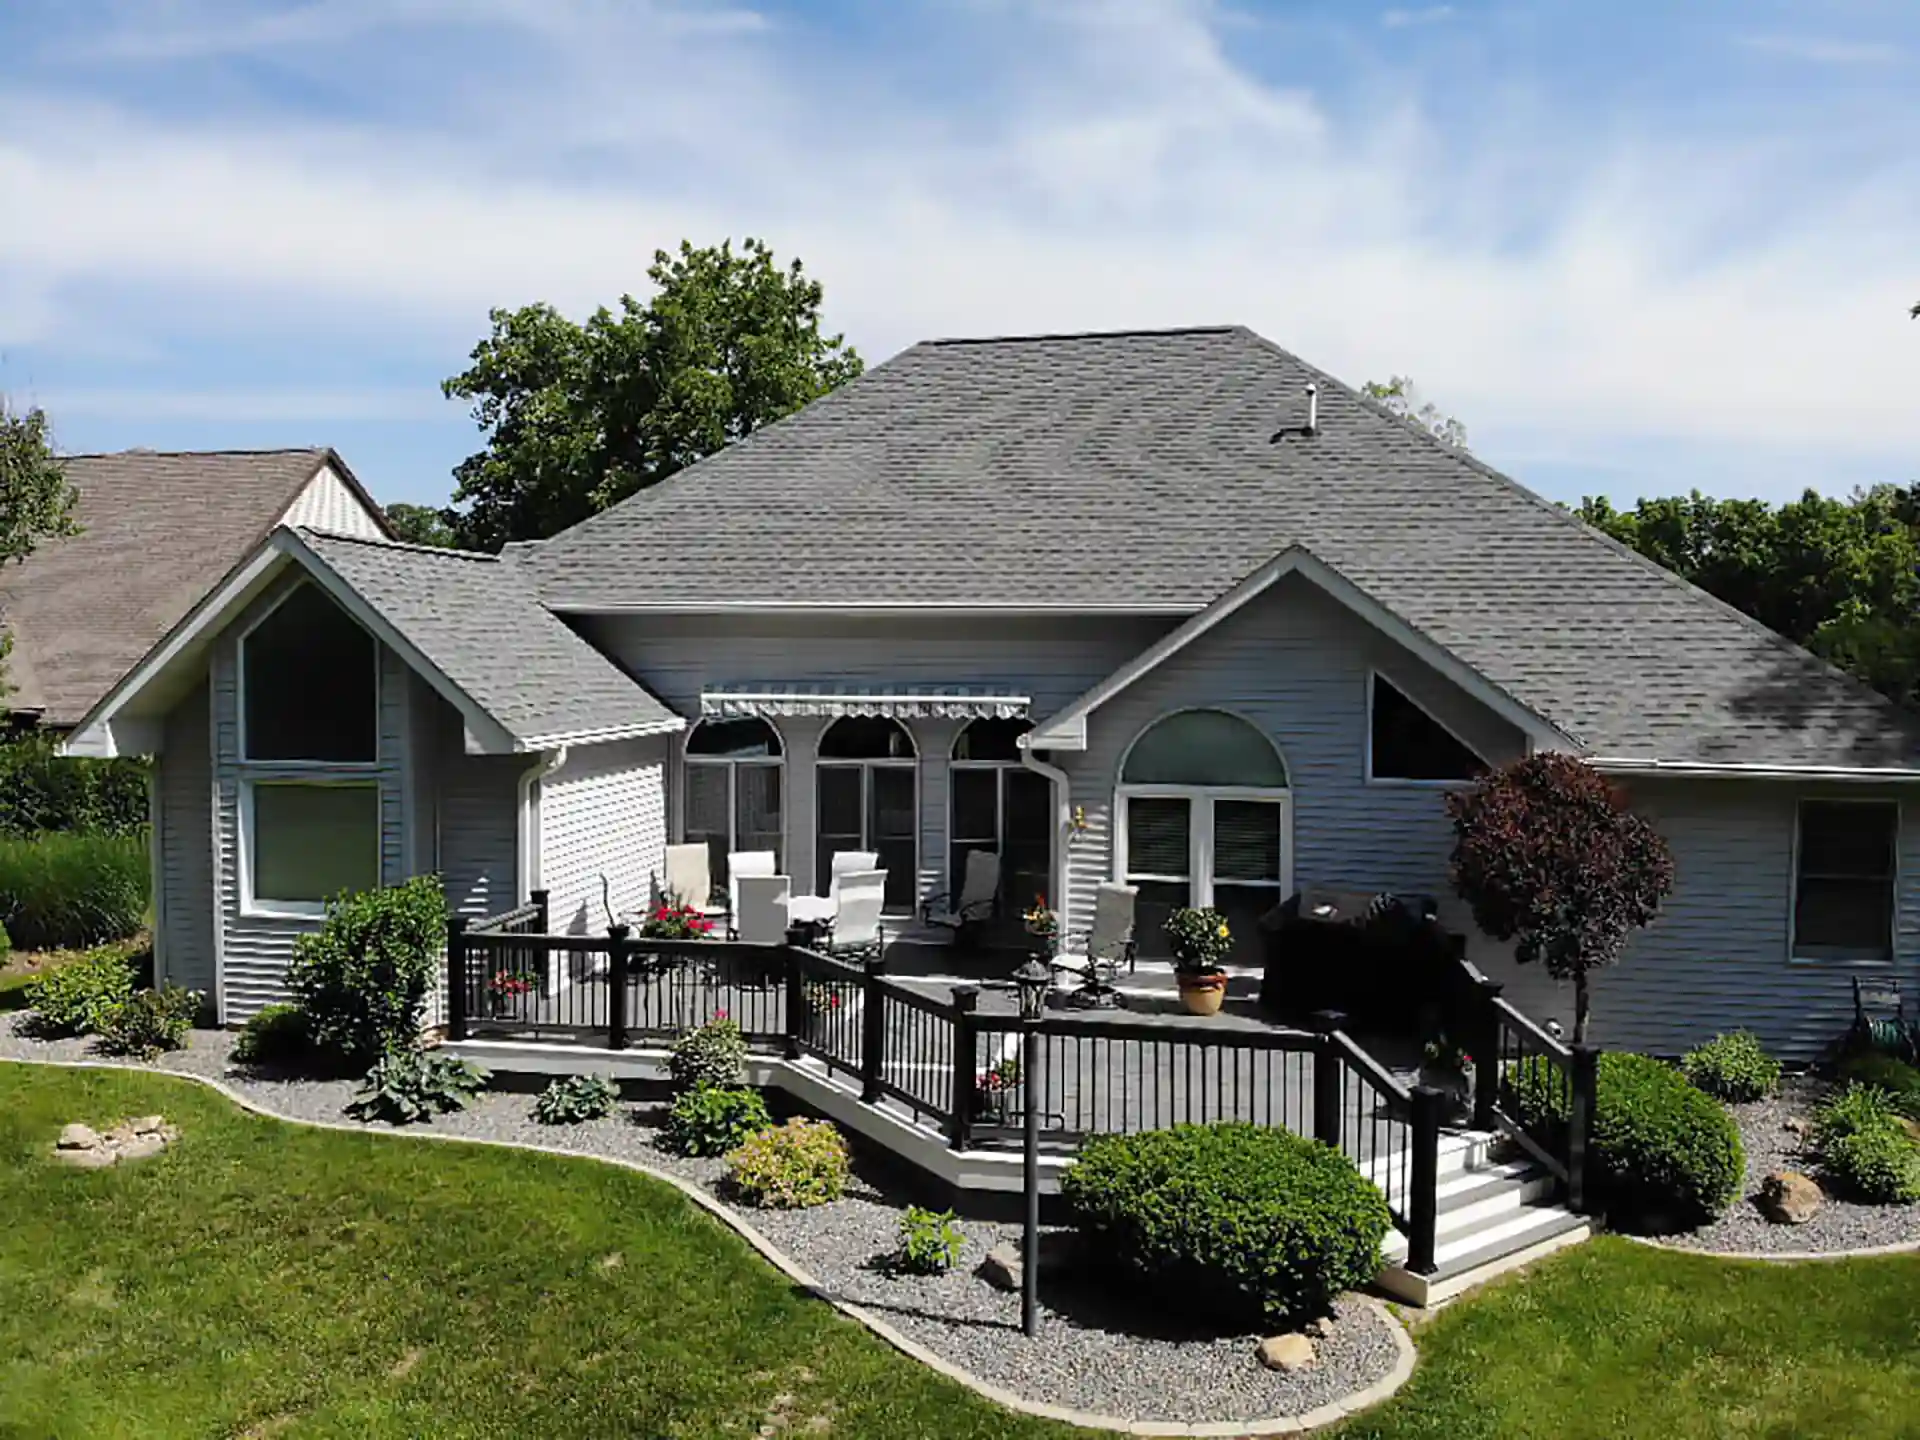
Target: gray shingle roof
[[1142, 469], [477, 619], [156, 530]]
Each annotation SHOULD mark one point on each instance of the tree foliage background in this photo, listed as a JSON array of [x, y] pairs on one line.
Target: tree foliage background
[[580, 416], [1839, 576], [36, 498], [1400, 396]]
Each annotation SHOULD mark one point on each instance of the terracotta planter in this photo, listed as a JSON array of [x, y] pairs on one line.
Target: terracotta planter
[[1202, 994]]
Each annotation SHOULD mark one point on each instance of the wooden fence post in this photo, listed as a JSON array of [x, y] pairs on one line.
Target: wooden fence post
[[1423, 1204], [1327, 1076], [457, 978], [966, 999], [617, 958], [873, 1029], [1586, 1074]]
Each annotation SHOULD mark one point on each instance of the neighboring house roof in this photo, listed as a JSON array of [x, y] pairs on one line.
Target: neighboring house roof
[[1156, 471], [155, 529], [469, 624]]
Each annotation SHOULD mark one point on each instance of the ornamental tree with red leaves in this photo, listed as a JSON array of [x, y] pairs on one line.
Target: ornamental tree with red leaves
[[1547, 855]]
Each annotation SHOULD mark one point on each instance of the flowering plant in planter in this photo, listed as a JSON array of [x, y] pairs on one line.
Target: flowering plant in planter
[[675, 922], [820, 998], [1201, 940], [1040, 920], [505, 987], [991, 1087]]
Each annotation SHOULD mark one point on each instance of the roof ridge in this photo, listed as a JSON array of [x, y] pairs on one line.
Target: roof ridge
[[1125, 332], [145, 452], [376, 542]]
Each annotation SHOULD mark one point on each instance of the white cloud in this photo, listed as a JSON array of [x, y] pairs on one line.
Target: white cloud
[[1114, 166], [1400, 19], [242, 405], [1821, 50]]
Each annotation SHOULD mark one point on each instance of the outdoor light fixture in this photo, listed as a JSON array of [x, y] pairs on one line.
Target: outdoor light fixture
[[1032, 979]]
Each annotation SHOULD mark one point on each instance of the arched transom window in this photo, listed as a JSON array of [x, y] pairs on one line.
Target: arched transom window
[[1203, 817], [733, 791]]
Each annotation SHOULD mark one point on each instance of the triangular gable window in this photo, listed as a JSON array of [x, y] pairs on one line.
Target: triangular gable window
[[1409, 744]]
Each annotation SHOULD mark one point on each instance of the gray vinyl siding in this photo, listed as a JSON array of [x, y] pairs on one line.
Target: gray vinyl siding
[[1294, 662], [478, 820], [1052, 660], [255, 949], [185, 837], [602, 813]]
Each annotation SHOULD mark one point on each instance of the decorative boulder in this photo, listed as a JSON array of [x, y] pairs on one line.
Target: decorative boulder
[[1789, 1198], [1286, 1352], [85, 1148], [78, 1137]]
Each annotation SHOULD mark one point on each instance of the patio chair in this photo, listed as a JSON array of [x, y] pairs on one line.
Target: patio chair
[[979, 892], [856, 923], [1108, 942], [846, 861], [741, 863], [762, 915]]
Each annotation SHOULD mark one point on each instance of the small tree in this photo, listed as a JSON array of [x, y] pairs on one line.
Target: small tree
[[1548, 855], [36, 499]]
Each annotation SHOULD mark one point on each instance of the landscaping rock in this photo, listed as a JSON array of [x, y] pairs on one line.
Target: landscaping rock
[[1286, 1352], [78, 1137], [1795, 1125], [1320, 1328], [149, 1124], [141, 1147], [1004, 1269], [1789, 1198], [96, 1158]]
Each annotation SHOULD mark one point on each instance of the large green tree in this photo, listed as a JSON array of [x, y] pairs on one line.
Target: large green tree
[[580, 416], [36, 498], [421, 524], [1840, 576]]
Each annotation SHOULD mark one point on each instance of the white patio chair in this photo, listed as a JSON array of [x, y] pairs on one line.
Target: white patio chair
[[740, 863], [762, 916], [847, 861], [689, 878], [979, 893], [856, 923]]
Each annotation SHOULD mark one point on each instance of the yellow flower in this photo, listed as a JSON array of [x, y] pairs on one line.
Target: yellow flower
[[1223, 932]]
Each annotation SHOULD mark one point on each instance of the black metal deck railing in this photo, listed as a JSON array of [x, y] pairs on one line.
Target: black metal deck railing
[[941, 1060]]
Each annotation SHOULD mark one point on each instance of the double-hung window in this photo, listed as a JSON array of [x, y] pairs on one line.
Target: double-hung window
[[1845, 861]]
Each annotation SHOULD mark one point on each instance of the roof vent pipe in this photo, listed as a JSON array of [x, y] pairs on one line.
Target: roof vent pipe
[[1313, 408]]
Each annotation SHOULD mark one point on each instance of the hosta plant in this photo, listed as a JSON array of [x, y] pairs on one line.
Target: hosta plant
[[574, 1099], [405, 1086], [930, 1241]]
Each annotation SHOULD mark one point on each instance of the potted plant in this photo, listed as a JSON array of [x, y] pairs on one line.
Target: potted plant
[[1201, 941], [820, 1003], [1447, 1067], [675, 922], [991, 1087], [1042, 924], [503, 990]]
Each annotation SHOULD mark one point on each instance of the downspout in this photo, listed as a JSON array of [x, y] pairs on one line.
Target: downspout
[[1062, 828], [528, 878]]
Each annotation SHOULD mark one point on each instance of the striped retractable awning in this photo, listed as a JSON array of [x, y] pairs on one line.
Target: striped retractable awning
[[945, 702]]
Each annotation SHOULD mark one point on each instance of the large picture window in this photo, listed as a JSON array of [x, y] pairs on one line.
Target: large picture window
[[1843, 888], [733, 776], [995, 803], [307, 841], [1202, 819], [308, 684], [868, 800]]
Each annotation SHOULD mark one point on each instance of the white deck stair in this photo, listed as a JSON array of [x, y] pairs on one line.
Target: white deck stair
[[1494, 1216]]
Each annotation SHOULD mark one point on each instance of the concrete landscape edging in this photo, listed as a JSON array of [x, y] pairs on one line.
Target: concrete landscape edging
[[1327, 1414]]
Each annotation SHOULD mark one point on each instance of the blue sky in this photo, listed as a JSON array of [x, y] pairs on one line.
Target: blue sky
[[1636, 247]]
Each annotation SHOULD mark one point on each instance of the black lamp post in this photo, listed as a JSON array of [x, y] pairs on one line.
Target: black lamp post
[[1032, 978]]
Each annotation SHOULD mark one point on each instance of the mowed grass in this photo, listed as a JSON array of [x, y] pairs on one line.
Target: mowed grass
[[271, 1280], [263, 1279]]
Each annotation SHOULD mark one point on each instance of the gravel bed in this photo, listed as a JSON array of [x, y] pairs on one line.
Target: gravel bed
[[1770, 1146], [1100, 1347]]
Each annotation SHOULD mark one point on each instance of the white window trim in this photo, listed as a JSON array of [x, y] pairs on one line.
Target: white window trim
[[1200, 877], [240, 687], [1864, 962], [1399, 782], [266, 908]]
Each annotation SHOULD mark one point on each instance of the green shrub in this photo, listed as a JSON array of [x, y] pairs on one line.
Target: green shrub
[[1879, 1165], [1900, 1080], [573, 1099], [276, 1038], [715, 1054], [1733, 1068], [363, 976], [76, 998], [1660, 1151], [1236, 1222], [42, 790], [6, 944], [930, 1242], [408, 1085], [69, 891], [713, 1119], [790, 1166], [150, 1021], [1855, 1110]]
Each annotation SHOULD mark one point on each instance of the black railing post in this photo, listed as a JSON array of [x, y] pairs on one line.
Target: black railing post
[[1327, 1078], [1586, 1071], [457, 978], [1483, 1043], [796, 999], [1423, 1205], [617, 958], [966, 1000], [538, 898], [873, 1029]]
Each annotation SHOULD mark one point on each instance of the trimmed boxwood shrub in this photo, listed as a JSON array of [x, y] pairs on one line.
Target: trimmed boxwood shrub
[[1236, 1223], [1662, 1153], [1879, 1165], [1733, 1068], [68, 891], [276, 1038]]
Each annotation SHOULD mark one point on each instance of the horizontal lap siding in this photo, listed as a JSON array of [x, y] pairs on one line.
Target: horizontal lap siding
[[185, 840], [328, 503], [603, 813]]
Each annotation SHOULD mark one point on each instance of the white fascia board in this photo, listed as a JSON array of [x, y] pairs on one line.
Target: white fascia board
[[563, 739]]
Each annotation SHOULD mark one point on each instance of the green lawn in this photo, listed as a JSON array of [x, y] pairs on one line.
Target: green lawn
[[268, 1280]]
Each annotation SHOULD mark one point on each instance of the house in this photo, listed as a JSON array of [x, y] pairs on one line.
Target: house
[[1169, 607], [156, 529]]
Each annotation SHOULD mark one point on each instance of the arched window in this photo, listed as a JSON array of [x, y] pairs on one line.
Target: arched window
[[868, 800], [1203, 818], [733, 791], [995, 803]]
